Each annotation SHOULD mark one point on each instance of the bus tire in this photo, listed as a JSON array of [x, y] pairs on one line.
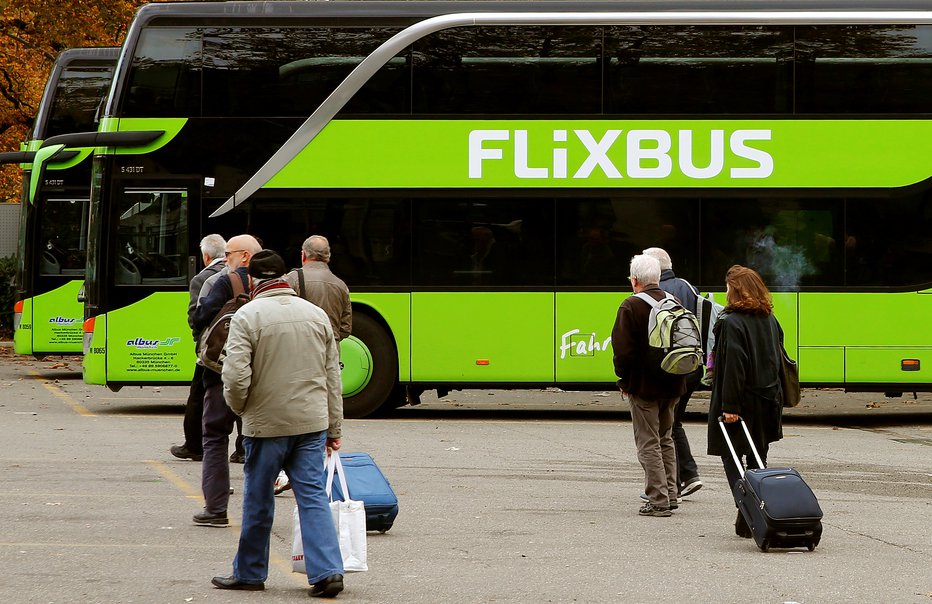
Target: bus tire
[[383, 369]]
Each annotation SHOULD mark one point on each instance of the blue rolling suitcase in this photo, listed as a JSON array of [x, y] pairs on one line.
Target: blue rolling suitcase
[[778, 505], [366, 483]]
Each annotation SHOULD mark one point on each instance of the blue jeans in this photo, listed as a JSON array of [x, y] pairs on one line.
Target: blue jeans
[[302, 458]]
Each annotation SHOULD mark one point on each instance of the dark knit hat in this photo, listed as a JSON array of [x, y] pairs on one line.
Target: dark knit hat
[[266, 264]]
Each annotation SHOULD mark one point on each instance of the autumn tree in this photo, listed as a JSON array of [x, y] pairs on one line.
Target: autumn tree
[[32, 34]]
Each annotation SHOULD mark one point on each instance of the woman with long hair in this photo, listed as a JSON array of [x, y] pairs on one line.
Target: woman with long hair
[[746, 375]]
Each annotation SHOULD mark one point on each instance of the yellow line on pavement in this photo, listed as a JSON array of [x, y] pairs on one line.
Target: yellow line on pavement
[[192, 492], [61, 394], [180, 483]]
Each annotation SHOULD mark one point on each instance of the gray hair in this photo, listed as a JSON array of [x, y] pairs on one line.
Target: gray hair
[[646, 269], [660, 254], [214, 246], [316, 247]]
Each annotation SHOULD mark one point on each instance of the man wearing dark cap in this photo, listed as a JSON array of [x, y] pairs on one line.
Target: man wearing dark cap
[[282, 376]]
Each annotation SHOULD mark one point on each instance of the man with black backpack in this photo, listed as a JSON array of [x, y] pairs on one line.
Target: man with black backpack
[[651, 389], [686, 470], [218, 418]]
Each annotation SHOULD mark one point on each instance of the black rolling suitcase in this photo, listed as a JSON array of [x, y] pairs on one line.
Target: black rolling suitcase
[[777, 504]]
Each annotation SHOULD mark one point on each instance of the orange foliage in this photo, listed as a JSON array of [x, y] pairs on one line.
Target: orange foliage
[[32, 34]]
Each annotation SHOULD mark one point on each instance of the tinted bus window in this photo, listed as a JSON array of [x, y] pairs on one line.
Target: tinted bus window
[[495, 241], [864, 69], [698, 70], [64, 233], [889, 241], [153, 237], [79, 92], [790, 242], [369, 238], [515, 70], [288, 72], [596, 238], [165, 77]]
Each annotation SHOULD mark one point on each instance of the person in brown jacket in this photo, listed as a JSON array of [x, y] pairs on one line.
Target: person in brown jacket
[[315, 283], [651, 392]]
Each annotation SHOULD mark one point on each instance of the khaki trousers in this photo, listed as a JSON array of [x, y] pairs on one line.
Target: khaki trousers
[[653, 424]]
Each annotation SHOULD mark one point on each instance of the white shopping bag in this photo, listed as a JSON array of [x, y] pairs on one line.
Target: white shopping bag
[[349, 518]]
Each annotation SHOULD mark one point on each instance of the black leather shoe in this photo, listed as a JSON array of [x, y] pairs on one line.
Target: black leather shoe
[[328, 587], [232, 582], [237, 457], [206, 518], [182, 452]]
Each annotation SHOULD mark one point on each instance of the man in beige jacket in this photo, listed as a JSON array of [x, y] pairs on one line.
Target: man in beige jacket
[[282, 375]]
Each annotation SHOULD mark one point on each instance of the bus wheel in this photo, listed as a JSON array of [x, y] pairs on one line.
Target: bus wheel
[[370, 367]]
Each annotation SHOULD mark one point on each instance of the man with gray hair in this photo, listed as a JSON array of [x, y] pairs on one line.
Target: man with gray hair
[[317, 284], [687, 472], [651, 392], [212, 248]]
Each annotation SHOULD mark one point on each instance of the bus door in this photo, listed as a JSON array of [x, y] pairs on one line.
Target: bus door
[[152, 251]]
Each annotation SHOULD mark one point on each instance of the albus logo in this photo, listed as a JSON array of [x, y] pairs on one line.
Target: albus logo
[[144, 344], [62, 321]]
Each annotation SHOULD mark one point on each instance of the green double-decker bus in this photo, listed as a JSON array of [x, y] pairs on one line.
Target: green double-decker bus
[[51, 251], [485, 171]]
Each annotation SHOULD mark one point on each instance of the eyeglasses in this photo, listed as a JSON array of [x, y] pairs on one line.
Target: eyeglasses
[[227, 254]]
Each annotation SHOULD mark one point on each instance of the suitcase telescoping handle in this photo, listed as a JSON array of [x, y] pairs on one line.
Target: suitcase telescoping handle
[[731, 447]]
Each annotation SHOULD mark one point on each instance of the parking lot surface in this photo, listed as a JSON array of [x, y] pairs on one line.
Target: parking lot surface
[[526, 496]]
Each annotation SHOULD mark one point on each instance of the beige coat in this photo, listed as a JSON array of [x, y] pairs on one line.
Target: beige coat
[[282, 369]]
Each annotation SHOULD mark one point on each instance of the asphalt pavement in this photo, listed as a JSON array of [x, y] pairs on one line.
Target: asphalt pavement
[[524, 496]]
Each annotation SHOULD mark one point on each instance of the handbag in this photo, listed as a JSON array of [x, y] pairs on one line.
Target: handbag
[[789, 379], [349, 518]]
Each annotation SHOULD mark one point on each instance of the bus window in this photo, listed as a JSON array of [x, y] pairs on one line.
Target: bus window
[[250, 72], [164, 78], [864, 69], [790, 242], [483, 242], [153, 235], [517, 70], [79, 93], [596, 238], [63, 236], [889, 242], [698, 70]]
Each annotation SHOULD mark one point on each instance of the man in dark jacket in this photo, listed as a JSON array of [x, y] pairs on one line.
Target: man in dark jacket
[[212, 248], [651, 392], [218, 418], [687, 473]]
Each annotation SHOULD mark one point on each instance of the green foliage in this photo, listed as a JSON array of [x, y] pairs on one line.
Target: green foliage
[[7, 294]]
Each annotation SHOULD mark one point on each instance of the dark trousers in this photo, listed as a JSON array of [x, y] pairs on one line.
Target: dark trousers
[[217, 426], [194, 413], [686, 469], [194, 416]]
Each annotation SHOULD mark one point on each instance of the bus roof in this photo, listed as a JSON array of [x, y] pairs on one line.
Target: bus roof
[[163, 13]]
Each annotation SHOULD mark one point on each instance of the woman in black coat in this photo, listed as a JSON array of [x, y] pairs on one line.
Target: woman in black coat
[[746, 375]]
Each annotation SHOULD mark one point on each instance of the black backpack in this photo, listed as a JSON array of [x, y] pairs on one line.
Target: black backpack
[[211, 349]]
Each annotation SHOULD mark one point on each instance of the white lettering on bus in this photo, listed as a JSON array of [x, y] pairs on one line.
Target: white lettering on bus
[[477, 152], [647, 154], [763, 159], [581, 347]]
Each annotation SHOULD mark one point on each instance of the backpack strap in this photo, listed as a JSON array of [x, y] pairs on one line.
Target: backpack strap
[[236, 284], [650, 300], [301, 289]]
